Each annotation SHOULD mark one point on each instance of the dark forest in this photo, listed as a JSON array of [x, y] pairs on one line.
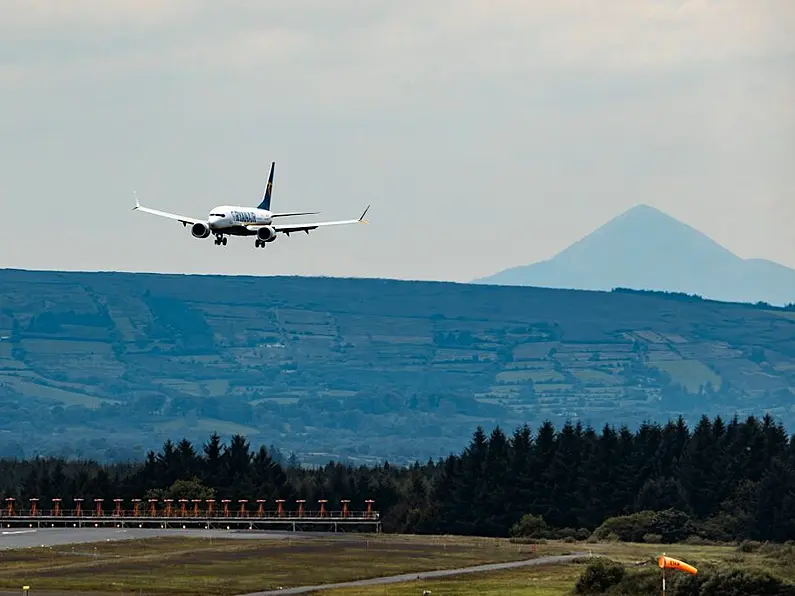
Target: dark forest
[[720, 481]]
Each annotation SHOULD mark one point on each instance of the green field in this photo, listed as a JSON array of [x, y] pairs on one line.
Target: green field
[[362, 368], [227, 567], [532, 581], [559, 580], [691, 374]]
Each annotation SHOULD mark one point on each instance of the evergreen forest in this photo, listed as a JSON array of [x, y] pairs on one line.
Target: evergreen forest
[[718, 481]]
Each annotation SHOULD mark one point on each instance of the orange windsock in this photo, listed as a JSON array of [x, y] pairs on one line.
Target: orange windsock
[[669, 563]]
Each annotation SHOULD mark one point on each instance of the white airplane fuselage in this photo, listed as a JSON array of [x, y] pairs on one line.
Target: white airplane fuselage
[[234, 220], [233, 217]]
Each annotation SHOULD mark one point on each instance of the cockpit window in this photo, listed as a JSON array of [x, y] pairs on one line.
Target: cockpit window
[[217, 215]]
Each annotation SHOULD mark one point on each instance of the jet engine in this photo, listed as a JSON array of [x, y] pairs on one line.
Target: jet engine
[[266, 234], [200, 230]]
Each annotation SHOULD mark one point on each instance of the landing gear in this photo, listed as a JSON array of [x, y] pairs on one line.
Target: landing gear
[[259, 244], [219, 239]]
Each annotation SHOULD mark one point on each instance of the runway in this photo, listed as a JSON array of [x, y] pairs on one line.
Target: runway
[[30, 538], [407, 577]]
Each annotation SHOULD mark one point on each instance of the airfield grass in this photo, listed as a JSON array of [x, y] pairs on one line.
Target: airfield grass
[[544, 580], [192, 566], [559, 579]]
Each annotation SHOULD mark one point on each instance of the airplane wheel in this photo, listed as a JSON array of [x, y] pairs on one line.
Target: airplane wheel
[[224, 241]]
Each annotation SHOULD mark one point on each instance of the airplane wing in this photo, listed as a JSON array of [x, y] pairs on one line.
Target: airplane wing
[[296, 213], [290, 228], [180, 218]]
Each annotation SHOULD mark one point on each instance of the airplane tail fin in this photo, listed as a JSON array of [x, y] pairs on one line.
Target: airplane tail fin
[[266, 199]]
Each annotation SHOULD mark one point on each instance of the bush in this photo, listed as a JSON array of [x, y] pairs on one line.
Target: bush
[[582, 534], [749, 546], [736, 582], [773, 549], [629, 528], [724, 527], [565, 533], [607, 577], [671, 526], [530, 526], [778, 553], [599, 577], [638, 583]]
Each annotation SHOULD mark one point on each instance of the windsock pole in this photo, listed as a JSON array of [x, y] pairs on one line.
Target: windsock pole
[[665, 562]]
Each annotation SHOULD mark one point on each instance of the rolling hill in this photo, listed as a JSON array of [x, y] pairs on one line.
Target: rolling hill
[[111, 364], [645, 249]]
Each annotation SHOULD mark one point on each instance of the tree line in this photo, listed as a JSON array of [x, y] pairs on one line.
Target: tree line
[[720, 480]]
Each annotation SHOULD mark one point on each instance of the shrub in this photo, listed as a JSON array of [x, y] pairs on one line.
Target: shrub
[[530, 526], [599, 577], [724, 527], [629, 528], [607, 577], [565, 533], [671, 525], [748, 546], [638, 583], [582, 534], [737, 582]]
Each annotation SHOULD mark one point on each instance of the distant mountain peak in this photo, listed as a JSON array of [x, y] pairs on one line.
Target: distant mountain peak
[[643, 214], [642, 209], [644, 248], [645, 230]]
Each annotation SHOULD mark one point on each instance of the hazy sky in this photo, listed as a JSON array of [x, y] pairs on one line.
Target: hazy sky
[[485, 133]]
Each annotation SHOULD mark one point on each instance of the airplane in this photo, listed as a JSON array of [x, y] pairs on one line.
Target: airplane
[[232, 220]]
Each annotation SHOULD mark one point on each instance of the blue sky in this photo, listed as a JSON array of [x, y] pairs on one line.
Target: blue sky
[[484, 134]]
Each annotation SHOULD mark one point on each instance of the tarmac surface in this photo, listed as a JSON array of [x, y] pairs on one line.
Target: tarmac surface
[[407, 577], [42, 537]]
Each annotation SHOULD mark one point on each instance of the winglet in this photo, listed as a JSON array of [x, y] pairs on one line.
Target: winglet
[[137, 204], [362, 219]]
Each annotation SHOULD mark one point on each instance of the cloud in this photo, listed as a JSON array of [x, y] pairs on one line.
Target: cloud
[[418, 40], [551, 116], [32, 16]]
